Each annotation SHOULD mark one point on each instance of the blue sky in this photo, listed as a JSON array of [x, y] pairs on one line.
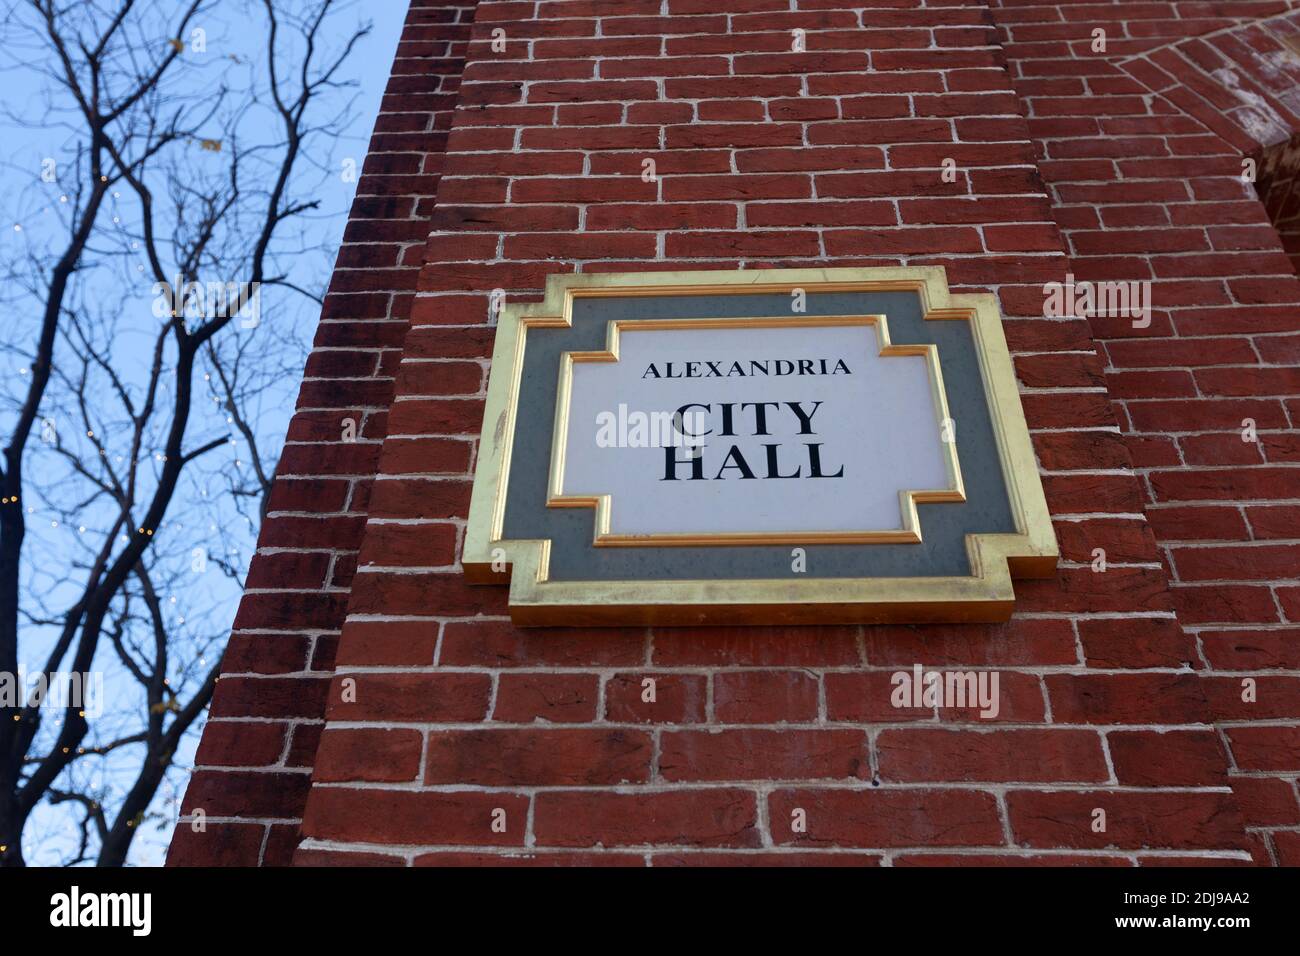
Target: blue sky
[[33, 207]]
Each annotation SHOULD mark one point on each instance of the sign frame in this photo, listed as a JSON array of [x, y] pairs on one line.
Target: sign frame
[[986, 594]]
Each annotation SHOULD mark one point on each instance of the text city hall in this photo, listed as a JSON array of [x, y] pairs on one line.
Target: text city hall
[[753, 418]]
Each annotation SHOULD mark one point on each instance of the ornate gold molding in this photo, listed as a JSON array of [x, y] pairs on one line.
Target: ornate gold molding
[[984, 595]]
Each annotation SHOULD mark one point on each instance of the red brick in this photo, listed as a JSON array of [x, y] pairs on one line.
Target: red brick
[[392, 643], [245, 794], [1127, 698], [713, 817], [241, 744], [1266, 748], [218, 844], [1135, 642], [409, 697], [462, 818], [885, 818], [1144, 758], [414, 545], [529, 859], [380, 756], [1064, 818], [537, 757], [917, 755], [553, 698], [693, 756], [678, 698], [765, 697], [867, 697], [500, 644], [755, 646]]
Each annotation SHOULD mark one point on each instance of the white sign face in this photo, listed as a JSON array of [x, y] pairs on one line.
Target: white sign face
[[791, 430]]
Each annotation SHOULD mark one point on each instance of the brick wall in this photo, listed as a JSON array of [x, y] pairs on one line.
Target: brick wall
[[1121, 690], [1143, 150]]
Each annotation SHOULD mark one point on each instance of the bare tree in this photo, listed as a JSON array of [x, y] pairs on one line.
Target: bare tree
[[182, 182]]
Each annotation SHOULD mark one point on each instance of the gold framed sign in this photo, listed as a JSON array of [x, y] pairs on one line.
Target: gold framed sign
[[771, 446]]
